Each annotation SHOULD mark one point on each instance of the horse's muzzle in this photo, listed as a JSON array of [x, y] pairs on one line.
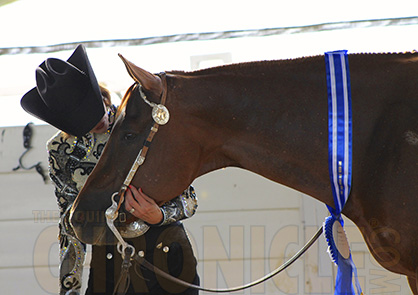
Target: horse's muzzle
[[90, 227]]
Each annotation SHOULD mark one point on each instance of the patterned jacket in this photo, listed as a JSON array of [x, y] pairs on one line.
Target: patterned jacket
[[71, 161]]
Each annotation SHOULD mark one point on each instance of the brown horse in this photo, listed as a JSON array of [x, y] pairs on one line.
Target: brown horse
[[271, 118]]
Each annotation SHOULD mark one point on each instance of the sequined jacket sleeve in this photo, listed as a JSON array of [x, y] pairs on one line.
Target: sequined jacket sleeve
[[181, 207]]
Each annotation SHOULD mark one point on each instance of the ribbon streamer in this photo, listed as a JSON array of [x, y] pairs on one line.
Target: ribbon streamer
[[339, 158]]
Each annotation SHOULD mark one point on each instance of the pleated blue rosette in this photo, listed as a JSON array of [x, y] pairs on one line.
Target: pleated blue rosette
[[340, 254], [340, 154]]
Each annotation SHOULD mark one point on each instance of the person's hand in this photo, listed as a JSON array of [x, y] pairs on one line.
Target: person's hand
[[141, 206]]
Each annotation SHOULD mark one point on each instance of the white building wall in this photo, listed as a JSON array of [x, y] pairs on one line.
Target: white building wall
[[245, 227]]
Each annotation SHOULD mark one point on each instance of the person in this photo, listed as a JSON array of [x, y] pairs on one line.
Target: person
[[68, 97]]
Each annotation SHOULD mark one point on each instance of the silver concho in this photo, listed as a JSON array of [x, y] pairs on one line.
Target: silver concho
[[160, 114], [134, 229], [340, 240]]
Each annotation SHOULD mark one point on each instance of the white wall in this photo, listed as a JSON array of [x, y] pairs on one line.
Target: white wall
[[245, 227]]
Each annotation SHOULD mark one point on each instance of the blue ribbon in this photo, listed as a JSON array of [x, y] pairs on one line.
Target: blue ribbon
[[339, 158]]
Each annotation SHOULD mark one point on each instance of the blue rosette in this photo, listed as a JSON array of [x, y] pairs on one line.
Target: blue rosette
[[339, 252]]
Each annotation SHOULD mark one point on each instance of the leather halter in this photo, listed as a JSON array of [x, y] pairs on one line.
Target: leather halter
[[161, 116]]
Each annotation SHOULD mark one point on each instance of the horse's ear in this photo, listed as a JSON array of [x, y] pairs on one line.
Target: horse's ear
[[147, 80]]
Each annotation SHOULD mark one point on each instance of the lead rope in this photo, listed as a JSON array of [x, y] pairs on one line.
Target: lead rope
[[142, 261], [128, 253], [122, 285]]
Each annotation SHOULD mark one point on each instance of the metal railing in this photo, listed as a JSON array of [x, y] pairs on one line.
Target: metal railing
[[204, 36]]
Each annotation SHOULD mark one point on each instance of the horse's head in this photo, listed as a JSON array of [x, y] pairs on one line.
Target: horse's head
[[162, 176]]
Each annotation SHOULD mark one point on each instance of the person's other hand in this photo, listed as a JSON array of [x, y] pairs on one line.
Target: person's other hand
[[141, 206]]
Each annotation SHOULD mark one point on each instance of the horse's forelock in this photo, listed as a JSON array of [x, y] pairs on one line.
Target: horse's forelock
[[125, 99]]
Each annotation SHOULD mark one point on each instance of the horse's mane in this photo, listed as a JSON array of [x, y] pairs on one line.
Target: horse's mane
[[238, 67]]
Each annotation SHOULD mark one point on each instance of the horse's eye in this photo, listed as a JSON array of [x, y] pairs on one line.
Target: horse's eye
[[130, 136]]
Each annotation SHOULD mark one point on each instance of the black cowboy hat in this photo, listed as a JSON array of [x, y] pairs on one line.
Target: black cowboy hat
[[67, 94]]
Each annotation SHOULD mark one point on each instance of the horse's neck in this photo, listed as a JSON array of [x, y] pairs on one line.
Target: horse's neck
[[269, 120], [272, 118]]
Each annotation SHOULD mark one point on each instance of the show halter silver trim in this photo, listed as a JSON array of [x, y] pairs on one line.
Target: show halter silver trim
[[160, 113], [111, 215]]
